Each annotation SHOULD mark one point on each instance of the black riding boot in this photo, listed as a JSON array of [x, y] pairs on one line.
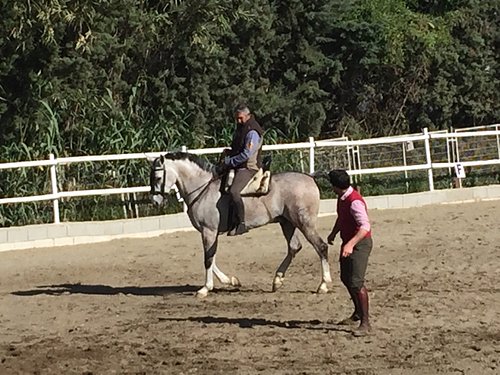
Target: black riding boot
[[240, 213]]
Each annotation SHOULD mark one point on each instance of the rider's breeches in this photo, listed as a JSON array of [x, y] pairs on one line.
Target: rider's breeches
[[353, 267], [241, 178]]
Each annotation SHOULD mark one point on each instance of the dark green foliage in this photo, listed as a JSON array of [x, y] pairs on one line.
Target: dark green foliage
[[80, 77], [97, 77]]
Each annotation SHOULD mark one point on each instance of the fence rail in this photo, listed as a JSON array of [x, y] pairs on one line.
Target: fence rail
[[347, 150]]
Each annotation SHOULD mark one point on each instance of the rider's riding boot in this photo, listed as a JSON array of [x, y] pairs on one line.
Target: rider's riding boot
[[241, 227]]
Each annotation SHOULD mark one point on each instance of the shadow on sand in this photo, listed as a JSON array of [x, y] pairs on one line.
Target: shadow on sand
[[107, 290], [77, 288], [256, 322]]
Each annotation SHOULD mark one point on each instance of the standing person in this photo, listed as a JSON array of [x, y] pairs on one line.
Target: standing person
[[245, 158], [355, 231]]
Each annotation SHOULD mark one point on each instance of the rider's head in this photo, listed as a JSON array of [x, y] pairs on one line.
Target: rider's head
[[339, 180], [242, 113]]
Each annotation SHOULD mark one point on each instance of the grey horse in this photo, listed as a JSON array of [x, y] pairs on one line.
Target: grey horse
[[292, 201]]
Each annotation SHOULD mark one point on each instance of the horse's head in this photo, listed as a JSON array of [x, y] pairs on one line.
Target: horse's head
[[162, 179]]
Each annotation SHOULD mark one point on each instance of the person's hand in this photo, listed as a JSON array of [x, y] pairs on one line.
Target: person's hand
[[220, 169], [331, 238], [346, 250], [225, 153]]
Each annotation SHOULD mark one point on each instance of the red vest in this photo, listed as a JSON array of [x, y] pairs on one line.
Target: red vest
[[348, 226]]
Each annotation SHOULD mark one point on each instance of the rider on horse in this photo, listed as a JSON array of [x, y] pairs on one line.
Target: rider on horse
[[245, 157]]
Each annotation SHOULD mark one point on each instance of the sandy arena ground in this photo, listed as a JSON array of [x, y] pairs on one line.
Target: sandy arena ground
[[128, 306]]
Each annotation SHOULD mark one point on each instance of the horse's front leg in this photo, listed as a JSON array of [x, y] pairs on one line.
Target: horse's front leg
[[223, 278], [209, 238]]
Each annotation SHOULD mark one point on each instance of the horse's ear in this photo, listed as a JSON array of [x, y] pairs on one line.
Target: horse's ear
[[162, 159], [151, 159]]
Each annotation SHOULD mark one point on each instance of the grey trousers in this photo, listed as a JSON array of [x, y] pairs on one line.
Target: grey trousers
[[353, 268], [241, 178]]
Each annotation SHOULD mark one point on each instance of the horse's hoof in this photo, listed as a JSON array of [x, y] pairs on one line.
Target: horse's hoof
[[277, 283], [202, 293], [235, 281], [322, 289]]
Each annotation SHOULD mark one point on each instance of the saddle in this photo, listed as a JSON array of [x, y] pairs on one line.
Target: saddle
[[258, 185]]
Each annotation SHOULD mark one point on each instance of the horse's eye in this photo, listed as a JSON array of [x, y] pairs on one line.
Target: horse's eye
[[158, 179]]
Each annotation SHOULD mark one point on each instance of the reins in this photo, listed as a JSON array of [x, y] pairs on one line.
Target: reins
[[204, 186], [163, 193]]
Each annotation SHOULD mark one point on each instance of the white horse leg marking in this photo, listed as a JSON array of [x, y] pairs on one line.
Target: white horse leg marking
[[322, 249], [278, 281], [209, 283], [223, 278], [210, 248], [325, 268], [326, 277], [325, 274]]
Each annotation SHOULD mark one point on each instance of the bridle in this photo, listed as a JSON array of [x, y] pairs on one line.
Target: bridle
[[163, 192], [153, 184]]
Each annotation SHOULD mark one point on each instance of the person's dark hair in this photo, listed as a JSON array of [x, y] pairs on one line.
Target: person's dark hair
[[339, 178]]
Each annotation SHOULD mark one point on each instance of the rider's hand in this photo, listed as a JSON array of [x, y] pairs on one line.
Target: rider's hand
[[220, 169]]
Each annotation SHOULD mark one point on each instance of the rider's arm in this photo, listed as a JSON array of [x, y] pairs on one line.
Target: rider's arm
[[252, 141]]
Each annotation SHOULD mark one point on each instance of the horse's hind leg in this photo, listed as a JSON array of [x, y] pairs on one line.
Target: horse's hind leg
[[321, 248], [294, 247]]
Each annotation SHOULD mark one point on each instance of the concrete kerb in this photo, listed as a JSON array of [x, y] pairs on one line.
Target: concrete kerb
[[75, 233], [64, 234]]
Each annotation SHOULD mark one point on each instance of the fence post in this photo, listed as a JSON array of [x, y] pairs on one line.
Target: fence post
[[349, 162], [184, 205], [449, 152], [498, 142], [311, 154], [53, 179], [428, 157], [405, 164]]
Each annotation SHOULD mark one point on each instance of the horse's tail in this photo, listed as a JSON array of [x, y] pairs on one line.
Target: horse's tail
[[319, 174]]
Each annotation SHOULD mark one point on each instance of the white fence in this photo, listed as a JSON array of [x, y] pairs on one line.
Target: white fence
[[425, 160]]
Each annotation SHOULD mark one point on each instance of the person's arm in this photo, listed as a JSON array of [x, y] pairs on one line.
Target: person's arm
[[348, 248], [333, 233], [358, 211], [252, 141]]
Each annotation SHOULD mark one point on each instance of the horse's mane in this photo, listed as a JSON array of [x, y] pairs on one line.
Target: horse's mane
[[203, 164]]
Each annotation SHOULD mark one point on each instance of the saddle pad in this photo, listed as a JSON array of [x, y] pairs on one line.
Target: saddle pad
[[258, 185]]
